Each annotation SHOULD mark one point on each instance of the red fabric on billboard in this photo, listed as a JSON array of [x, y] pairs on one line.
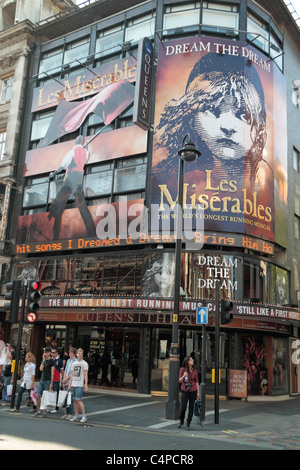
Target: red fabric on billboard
[[108, 104]]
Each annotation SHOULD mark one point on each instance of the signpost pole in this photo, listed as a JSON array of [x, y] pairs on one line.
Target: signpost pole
[[217, 339], [19, 344]]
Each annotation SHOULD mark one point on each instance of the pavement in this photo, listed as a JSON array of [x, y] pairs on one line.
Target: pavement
[[262, 423]]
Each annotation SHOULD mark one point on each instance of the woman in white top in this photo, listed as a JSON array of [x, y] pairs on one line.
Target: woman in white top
[[27, 382]]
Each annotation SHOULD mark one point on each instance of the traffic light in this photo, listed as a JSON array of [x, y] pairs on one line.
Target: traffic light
[[226, 312], [33, 297], [13, 292]]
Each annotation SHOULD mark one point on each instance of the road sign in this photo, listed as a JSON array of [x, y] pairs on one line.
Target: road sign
[[201, 316], [31, 317]]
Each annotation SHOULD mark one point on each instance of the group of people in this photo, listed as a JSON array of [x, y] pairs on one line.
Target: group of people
[[55, 376]]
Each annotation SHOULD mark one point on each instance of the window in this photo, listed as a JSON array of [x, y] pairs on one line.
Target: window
[[6, 89], [130, 174], [182, 16], [296, 160], [140, 27], [297, 226], [216, 16], [77, 50], [258, 32], [109, 41], [296, 93], [2, 144], [40, 125], [99, 179], [36, 192], [51, 61]]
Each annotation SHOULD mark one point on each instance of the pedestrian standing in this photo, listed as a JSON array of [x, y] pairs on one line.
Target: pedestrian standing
[[58, 375], [66, 380], [78, 382], [27, 381], [46, 383], [188, 378], [8, 377]]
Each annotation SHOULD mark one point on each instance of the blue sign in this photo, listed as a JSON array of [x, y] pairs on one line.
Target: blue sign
[[201, 316]]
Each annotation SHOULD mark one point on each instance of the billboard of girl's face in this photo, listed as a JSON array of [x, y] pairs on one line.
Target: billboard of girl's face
[[225, 99]]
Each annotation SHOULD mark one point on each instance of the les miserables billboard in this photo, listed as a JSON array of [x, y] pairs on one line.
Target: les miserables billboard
[[230, 99], [107, 91]]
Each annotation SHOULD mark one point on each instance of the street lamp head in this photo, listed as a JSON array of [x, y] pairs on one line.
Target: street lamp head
[[188, 152]]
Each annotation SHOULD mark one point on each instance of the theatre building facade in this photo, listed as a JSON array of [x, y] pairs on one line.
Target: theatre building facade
[[112, 98]]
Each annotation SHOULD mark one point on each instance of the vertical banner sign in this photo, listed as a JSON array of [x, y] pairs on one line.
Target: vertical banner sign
[[4, 198], [143, 87]]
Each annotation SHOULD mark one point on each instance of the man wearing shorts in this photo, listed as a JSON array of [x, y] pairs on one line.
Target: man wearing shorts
[[78, 382], [46, 383]]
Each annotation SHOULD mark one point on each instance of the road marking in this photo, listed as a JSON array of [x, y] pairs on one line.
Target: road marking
[[170, 422], [121, 408]]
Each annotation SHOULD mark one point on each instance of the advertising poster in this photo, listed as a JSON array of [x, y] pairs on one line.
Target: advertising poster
[[107, 91], [226, 95]]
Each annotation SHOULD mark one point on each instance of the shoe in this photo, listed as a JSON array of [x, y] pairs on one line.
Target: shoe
[[42, 415], [53, 411], [75, 418], [65, 416], [188, 427], [83, 419], [180, 425], [69, 417], [38, 413]]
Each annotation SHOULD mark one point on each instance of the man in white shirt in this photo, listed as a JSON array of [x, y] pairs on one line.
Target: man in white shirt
[[78, 382]]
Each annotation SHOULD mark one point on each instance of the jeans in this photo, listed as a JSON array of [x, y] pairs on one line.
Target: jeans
[[20, 395], [56, 389], [6, 383], [187, 398]]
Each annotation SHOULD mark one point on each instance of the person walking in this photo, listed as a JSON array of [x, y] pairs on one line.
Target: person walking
[[46, 383], [78, 382], [27, 381], [66, 380], [188, 378]]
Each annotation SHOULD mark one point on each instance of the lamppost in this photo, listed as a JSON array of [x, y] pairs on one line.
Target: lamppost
[[188, 153]]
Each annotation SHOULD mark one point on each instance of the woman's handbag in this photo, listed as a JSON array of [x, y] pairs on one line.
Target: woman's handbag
[[198, 410]]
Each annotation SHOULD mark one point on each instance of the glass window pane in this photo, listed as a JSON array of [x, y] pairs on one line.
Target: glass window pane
[[51, 63], [109, 43], [98, 183], [40, 127], [35, 195], [220, 19], [137, 31], [254, 29], [79, 50], [181, 19], [127, 179], [2, 144]]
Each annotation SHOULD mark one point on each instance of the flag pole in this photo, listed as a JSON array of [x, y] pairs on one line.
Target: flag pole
[[94, 136]]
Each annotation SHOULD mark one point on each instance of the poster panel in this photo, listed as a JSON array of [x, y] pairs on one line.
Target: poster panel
[[226, 96]]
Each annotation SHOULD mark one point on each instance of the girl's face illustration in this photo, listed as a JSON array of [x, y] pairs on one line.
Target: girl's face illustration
[[226, 130]]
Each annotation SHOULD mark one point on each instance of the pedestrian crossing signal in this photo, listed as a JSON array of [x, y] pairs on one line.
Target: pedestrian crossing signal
[[33, 297]]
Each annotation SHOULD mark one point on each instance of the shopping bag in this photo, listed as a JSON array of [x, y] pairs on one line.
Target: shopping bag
[[69, 399], [9, 390], [33, 395], [62, 397], [48, 400]]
